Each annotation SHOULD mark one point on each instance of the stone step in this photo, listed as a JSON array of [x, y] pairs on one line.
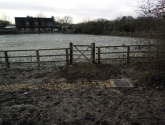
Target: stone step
[[121, 83]]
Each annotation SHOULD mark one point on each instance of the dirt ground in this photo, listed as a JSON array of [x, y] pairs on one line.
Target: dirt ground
[[77, 95]]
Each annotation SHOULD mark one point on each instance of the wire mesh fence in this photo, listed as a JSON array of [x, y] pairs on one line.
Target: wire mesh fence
[[2, 59], [27, 59], [143, 53], [112, 55], [46, 58], [53, 58], [120, 55]]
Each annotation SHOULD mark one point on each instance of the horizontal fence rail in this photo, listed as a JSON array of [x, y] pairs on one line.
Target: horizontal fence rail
[[65, 56], [14, 58], [125, 54]]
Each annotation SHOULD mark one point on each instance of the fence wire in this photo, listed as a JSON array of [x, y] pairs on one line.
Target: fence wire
[[46, 58], [120, 55], [2, 60], [28, 59], [142, 53], [113, 55]]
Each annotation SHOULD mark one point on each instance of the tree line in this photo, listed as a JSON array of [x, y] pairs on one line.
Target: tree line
[[120, 26]]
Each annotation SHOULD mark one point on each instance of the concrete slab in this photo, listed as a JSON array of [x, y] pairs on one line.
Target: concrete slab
[[120, 83]]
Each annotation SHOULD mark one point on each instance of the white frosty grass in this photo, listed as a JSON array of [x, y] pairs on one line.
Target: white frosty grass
[[47, 41]]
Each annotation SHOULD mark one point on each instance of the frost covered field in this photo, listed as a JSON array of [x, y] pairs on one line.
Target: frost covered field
[[47, 41]]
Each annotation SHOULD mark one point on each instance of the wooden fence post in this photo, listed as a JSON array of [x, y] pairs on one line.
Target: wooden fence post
[[98, 55], [67, 59], [128, 52], [93, 52], [71, 53], [6, 59], [38, 57]]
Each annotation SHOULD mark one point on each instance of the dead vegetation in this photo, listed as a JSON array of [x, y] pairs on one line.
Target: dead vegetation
[[148, 74], [82, 94]]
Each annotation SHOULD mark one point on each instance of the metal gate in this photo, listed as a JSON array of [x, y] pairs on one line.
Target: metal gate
[[79, 51]]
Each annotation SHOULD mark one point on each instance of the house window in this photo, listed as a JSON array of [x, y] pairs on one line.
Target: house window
[[26, 23], [49, 23], [36, 23], [18, 24], [42, 23]]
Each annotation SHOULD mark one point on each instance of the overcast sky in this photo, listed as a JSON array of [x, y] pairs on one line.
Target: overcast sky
[[79, 10]]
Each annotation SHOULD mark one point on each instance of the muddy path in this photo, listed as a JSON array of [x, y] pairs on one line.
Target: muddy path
[[82, 106], [75, 96]]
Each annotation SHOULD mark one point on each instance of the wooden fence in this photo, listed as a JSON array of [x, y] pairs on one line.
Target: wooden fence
[[126, 53], [85, 51], [103, 53], [36, 54]]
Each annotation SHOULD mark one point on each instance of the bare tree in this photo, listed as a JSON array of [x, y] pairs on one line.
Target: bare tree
[[4, 20], [155, 8], [67, 20], [4, 17], [29, 16], [58, 19], [64, 20], [40, 14], [154, 13], [159, 9]]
